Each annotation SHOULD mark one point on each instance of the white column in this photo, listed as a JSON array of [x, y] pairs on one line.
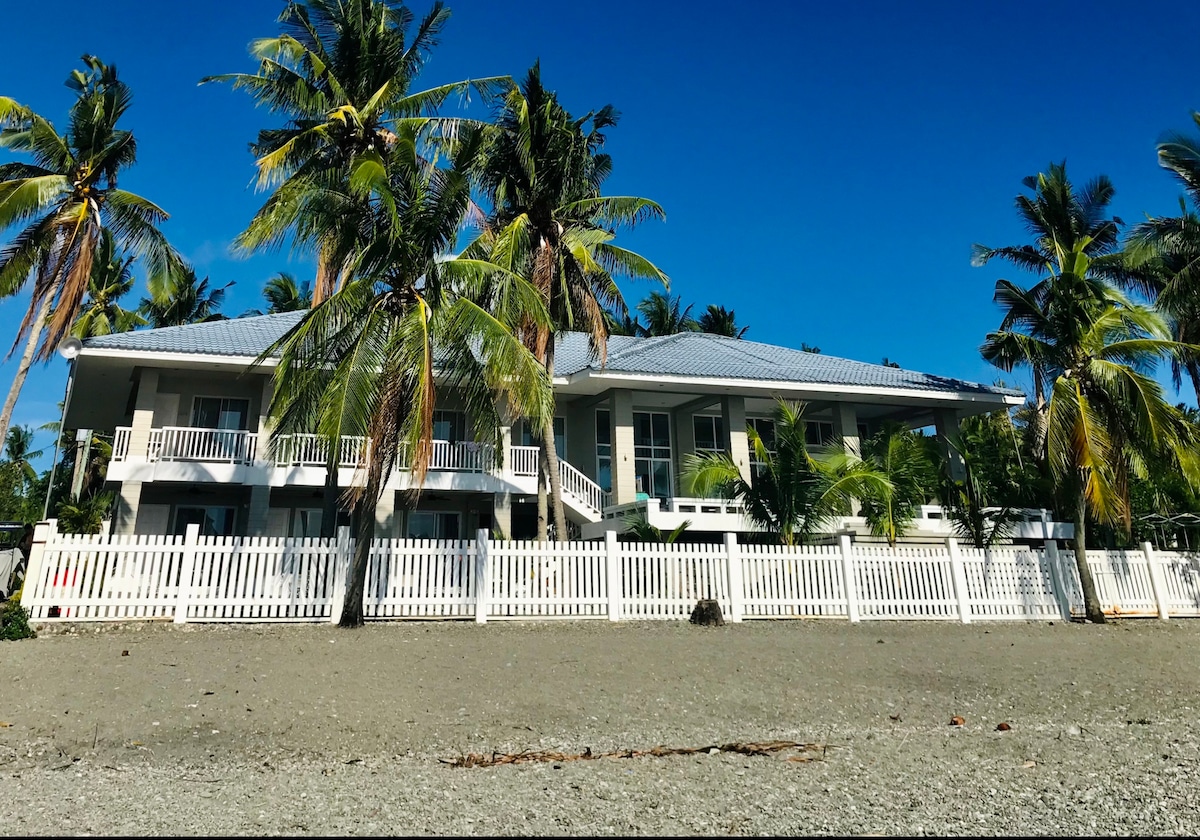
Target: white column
[[502, 515], [1157, 584], [945, 422], [256, 514], [848, 579], [613, 568], [733, 415], [958, 574], [737, 597], [125, 522], [385, 516], [624, 473], [143, 415], [187, 570], [845, 428], [483, 576]]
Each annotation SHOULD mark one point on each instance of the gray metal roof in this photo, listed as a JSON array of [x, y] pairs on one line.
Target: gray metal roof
[[234, 337], [685, 354]]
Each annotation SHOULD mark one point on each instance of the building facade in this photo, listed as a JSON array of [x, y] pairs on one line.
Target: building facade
[[193, 439]]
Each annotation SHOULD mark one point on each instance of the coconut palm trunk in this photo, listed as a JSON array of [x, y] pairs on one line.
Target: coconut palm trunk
[[1091, 601], [550, 456], [356, 579], [35, 335]]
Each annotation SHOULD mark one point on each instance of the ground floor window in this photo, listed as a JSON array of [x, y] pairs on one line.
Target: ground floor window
[[433, 525], [213, 521], [307, 522]]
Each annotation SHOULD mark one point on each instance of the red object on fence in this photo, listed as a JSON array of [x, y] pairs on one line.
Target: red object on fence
[[60, 579]]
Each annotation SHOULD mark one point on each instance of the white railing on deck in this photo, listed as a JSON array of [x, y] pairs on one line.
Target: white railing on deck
[[183, 443], [121, 442], [465, 456], [582, 487], [194, 578], [523, 460], [309, 450]]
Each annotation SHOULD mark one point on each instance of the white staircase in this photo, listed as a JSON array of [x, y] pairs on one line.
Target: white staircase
[[581, 496]]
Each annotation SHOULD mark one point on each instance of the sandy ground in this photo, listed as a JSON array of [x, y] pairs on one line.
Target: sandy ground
[[311, 730]]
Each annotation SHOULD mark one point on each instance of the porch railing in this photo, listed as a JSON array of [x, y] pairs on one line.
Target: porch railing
[[183, 443], [523, 460]]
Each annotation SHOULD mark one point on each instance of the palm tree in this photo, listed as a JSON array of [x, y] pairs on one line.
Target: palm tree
[[62, 201], [341, 74], [720, 321], [666, 315], [639, 527], [542, 170], [1061, 219], [622, 324], [1096, 350], [283, 294], [904, 458], [369, 359], [796, 494], [112, 279], [1168, 248], [182, 299], [19, 452]]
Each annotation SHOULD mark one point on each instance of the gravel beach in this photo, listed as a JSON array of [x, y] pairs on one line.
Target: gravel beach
[[301, 729]]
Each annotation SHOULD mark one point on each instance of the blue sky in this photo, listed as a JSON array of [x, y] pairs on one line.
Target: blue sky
[[824, 168]]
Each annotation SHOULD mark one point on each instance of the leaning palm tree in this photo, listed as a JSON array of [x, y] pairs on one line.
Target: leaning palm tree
[[1167, 248], [666, 315], [720, 321], [61, 202], [543, 170], [182, 299], [797, 493], [369, 360], [1061, 219], [112, 279], [1105, 411], [341, 74]]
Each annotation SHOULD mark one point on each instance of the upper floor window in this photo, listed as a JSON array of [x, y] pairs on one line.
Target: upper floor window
[[220, 413], [818, 433], [450, 426], [709, 433], [523, 434]]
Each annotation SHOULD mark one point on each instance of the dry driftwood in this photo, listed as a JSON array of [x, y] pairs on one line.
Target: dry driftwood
[[810, 752]]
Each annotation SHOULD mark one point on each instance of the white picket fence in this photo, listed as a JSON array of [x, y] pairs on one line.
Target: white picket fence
[[230, 579]]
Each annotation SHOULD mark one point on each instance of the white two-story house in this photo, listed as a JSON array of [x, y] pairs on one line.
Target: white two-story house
[[191, 430]]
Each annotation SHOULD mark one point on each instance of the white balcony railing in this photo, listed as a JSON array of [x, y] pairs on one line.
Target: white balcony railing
[[308, 450], [120, 443], [182, 443], [523, 460]]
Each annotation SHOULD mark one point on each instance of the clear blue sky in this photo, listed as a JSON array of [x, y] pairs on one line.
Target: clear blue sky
[[825, 168]]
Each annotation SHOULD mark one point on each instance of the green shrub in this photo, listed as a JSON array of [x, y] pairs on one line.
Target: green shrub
[[14, 623]]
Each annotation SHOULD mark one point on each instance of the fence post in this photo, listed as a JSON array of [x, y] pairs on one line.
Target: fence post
[[341, 569], [483, 576], [848, 579], [1050, 547], [614, 575], [737, 597], [187, 569], [1157, 584], [959, 575], [32, 588]]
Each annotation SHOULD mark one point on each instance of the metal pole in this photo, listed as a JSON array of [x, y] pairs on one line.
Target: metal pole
[[58, 439]]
